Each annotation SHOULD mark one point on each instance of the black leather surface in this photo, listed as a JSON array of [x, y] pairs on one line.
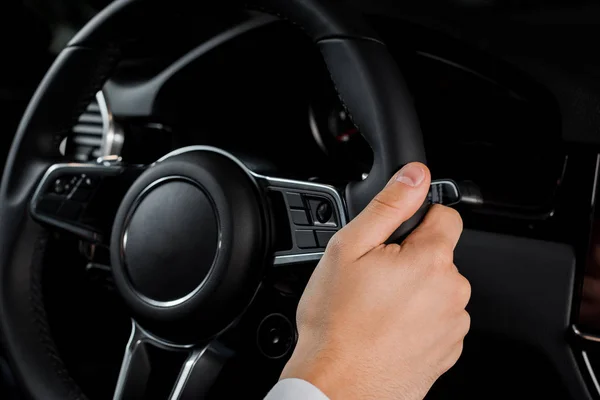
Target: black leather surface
[[319, 19], [370, 85], [32, 354], [159, 247]]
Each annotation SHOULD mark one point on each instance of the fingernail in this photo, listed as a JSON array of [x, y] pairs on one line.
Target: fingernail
[[411, 174]]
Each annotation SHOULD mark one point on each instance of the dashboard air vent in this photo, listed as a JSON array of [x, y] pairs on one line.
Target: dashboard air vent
[[95, 133]]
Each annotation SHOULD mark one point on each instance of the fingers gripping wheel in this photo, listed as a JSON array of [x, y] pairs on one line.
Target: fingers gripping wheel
[[381, 107]]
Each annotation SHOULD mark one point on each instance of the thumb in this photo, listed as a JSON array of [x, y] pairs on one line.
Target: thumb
[[395, 204]]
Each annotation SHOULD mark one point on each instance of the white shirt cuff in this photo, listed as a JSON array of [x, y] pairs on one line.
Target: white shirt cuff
[[295, 389]]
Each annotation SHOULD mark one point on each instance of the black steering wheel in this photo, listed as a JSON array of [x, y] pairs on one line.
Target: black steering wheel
[[195, 231]]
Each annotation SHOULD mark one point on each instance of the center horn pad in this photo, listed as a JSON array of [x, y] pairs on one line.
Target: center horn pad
[[188, 244], [173, 223]]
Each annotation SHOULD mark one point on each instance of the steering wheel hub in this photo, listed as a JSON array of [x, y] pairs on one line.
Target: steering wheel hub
[[188, 244], [170, 240]]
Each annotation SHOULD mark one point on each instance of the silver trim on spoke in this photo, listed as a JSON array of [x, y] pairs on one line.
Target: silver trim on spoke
[[585, 336], [297, 258], [134, 346], [159, 342], [138, 338], [185, 373], [588, 366], [196, 376]]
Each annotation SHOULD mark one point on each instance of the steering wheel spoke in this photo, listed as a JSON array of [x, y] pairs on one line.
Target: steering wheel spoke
[[82, 198], [197, 373], [135, 368], [306, 215]]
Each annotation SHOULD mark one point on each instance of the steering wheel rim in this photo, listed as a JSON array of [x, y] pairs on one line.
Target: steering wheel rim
[[366, 78]]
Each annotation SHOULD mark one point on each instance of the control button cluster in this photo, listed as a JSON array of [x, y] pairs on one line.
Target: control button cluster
[[313, 218], [81, 198], [66, 196]]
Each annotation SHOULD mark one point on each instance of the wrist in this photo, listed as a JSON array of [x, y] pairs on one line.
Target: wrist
[[322, 369]]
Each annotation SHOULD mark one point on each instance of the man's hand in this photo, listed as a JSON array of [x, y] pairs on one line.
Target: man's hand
[[384, 321]]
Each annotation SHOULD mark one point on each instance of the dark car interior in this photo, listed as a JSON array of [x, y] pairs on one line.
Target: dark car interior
[[507, 95]]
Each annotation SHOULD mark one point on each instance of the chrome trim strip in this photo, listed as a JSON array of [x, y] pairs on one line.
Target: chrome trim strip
[[585, 336], [595, 185], [189, 149], [159, 342], [314, 130], [185, 373], [139, 337], [112, 137], [588, 365], [297, 258], [276, 182], [135, 340]]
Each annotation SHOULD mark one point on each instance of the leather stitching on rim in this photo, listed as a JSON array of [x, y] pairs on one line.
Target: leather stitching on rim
[[295, 24], [41, 319]]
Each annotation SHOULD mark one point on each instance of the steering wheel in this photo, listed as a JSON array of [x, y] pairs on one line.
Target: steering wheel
[[194, 233]]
